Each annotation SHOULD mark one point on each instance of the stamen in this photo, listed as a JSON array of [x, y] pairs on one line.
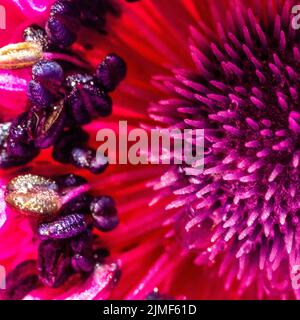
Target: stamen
[[20, 55], [33, 195]]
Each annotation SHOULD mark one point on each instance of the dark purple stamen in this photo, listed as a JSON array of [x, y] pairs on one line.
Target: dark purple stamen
[[65, 8], [79, 204], [83, 243], [63, 24], [82, 246], [46, 124], [104, 212], [18, 141], [54, 263], [69, 180], [59, 33], [64, 227], [7, 159], [111, 72], [48, 72], [87, 101], [38, 94], [66, 142]]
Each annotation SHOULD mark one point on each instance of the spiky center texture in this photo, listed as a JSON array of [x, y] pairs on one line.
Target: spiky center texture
[[245, 94]]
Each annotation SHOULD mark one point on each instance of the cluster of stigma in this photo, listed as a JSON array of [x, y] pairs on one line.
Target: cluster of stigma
[[64, 94], [64, 213], [242, 212]]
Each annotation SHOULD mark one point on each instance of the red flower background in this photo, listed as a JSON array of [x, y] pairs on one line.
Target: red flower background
[[149, 243]]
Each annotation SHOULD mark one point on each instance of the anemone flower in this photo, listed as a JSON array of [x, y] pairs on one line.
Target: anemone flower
[[230, 232]]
